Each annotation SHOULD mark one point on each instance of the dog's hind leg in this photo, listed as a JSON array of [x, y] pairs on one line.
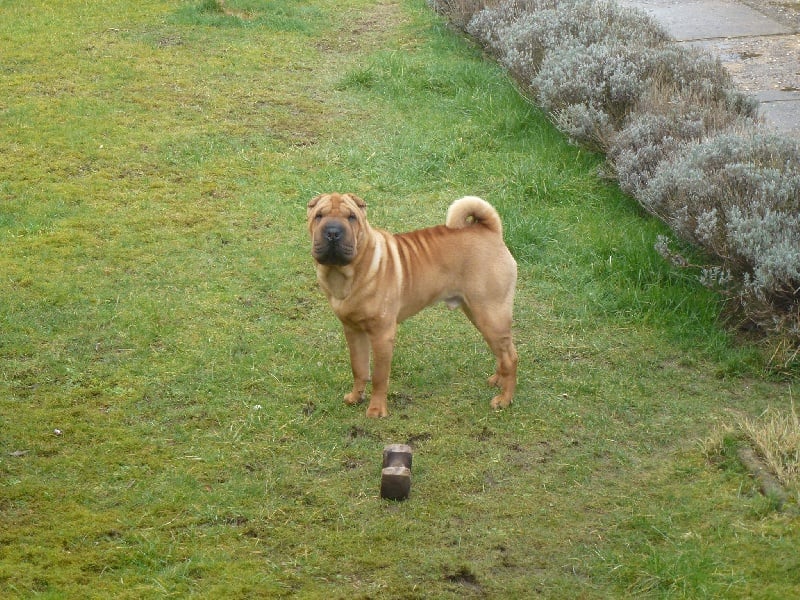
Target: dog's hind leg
[[506, 374], [495, 326]]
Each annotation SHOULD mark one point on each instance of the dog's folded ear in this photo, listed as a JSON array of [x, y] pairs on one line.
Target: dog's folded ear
[[359, 202], [313, 202]]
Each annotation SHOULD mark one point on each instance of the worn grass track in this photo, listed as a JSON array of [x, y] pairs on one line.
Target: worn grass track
[[171, 420]]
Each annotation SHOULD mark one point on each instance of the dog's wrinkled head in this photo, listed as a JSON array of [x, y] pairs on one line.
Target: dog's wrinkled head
[[337, 223]]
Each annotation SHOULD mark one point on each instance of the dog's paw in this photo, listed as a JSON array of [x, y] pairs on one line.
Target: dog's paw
[[377, 410], [354, 398], [499, 402]]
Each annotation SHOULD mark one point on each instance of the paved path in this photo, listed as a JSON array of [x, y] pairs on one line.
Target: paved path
[[761, 53]]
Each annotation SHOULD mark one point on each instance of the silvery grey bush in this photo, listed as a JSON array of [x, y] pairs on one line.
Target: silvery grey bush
[[510, 27], [603, 81], [738, 198], [647, 140], [521, 34], [696, 79], [670, 127], [681, 138]]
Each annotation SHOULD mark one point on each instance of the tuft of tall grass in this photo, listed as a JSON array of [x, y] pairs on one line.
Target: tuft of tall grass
[[776, 436], [773, 437]]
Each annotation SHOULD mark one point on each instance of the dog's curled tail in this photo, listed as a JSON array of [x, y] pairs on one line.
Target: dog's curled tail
[[471, 210]]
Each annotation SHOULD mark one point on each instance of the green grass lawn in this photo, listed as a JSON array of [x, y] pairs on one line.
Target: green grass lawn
[[171, 421]]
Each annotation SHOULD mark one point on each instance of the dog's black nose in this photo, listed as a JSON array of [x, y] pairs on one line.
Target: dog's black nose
[[333, 232]]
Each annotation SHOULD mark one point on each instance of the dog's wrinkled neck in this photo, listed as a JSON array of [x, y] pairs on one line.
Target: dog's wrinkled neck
[[336, 281]]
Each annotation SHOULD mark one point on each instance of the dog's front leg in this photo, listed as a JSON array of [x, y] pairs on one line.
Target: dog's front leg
[[382, 349], [358, 343]]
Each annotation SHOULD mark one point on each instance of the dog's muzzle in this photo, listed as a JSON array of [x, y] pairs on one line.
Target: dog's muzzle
[[331, 245]]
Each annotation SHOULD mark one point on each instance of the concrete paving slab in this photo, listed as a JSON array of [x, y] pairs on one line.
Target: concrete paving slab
[[708, 19], [782, 116]]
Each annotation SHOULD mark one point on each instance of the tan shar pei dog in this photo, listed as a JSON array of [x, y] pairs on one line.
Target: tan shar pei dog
[[374, 280]]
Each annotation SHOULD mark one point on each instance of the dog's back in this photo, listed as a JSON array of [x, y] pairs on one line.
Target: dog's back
[[461, 262]]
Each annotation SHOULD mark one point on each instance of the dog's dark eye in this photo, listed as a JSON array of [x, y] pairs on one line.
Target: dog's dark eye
[[352, 218], [318, 216]]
